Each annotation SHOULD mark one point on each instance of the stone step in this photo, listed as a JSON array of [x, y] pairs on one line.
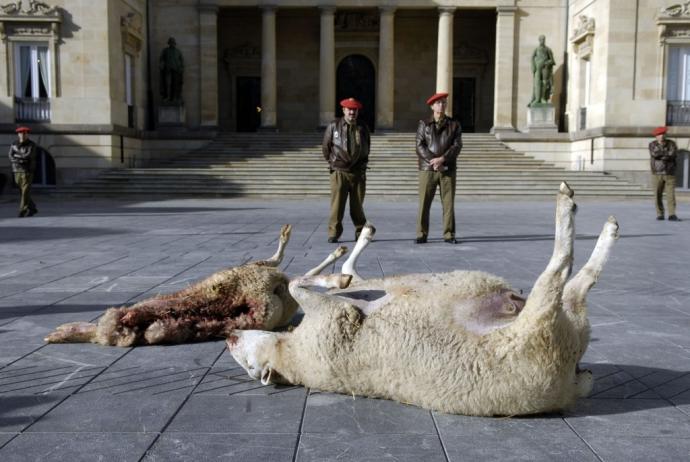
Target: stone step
[[292, 164]]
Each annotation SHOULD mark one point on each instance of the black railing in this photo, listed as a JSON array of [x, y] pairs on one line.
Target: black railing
[[678, 112], [32, 109], [582, 119]]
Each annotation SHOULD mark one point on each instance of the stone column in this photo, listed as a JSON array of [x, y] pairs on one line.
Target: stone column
[[505, 57], [444, 58], [208, 65], [268, 68], [327, 67], [386, 73]]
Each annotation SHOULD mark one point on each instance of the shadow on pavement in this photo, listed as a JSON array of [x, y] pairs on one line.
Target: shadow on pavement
[[38, 233]]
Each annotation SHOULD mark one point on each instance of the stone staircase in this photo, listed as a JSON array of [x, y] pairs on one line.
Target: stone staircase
[[291, 164]]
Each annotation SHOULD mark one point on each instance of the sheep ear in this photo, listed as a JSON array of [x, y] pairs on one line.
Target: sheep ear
[[266, 374]]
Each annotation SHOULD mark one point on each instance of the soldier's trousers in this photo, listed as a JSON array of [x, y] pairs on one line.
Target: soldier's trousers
[[344, 184], [664, 184], [24, 180], [428, 181]]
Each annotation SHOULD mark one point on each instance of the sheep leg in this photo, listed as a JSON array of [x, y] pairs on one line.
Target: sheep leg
[[277, 257], [73, 332], [332, 257], [365, 238], [310, 300], [547, 292], [577, 288]]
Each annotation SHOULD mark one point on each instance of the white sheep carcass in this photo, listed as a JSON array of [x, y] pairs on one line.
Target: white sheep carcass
[[250, 296], [460, 342]]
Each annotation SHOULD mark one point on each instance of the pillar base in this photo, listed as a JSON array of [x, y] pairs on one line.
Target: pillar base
[[268, 129], [497, 130]]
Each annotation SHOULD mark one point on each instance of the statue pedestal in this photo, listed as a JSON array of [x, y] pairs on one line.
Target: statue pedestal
[[171, 114], [541, 119]]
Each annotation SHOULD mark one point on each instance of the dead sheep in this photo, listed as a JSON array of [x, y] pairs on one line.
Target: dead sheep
[[461, 342], [251, 296]]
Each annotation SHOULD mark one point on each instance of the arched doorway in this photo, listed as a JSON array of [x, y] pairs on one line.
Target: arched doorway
[[356, 78]]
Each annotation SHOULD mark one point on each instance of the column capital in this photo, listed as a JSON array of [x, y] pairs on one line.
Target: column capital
[[506, 10], [208, 9], [327, 9], [387, 9], [447, 9], [269, 8]]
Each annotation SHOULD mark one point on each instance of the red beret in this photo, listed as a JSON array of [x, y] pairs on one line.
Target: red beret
[[659, 131], [351, 103], [435, 98], [23, 130]]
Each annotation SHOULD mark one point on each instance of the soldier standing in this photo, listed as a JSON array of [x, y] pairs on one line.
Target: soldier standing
[[23, 159], [438, 141], [663, 165], [346, 149]]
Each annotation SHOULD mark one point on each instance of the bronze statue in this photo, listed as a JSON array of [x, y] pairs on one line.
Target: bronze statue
[[172, 70], [542, 71]]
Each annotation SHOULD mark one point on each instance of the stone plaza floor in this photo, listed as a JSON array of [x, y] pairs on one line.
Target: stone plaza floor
[[84, 402]]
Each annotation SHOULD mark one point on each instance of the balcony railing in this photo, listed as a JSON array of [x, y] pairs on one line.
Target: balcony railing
[[678, 112], [32, 109]]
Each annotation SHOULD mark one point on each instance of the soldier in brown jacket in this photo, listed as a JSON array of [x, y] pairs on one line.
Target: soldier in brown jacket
[[23, 159], [439, 141], [662, 154], [346, 149]]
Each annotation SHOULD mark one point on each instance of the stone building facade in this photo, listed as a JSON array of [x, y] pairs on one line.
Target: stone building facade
[[85, 73]]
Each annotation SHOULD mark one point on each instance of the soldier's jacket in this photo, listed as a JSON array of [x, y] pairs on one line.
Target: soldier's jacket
[[335, 151], [23, 156], [663, 157], [436, 141]]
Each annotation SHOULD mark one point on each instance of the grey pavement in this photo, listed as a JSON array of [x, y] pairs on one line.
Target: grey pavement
[[193, 402]]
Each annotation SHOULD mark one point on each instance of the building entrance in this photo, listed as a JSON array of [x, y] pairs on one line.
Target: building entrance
[[356, 78], [464, 90], [248, 104]]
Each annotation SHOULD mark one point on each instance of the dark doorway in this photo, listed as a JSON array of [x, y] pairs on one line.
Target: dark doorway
[[355, 78], [464, 90], [248, 104], [45, 169]]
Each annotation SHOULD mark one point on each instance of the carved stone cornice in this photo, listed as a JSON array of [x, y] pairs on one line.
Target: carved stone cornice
[[674, 23], [31, 18], [583, 36], [34, 9], [356, 21], [676, 10], [131, 26]]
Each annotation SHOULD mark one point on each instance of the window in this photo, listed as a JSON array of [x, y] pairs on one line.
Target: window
[[129, 89], [678, 73], [32, 82]]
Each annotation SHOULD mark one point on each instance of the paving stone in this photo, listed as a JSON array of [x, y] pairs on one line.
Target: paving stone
[[370, 447], [222, 447], [544, 438], [331, 413], [628, 417], [74, 447], [18, 411], [278, 413], [140, 412], [625, 448], [5, 437]]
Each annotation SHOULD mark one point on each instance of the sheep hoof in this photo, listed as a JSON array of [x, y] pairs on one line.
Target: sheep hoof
[[340, 251], [344, 281], [565, 189]]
